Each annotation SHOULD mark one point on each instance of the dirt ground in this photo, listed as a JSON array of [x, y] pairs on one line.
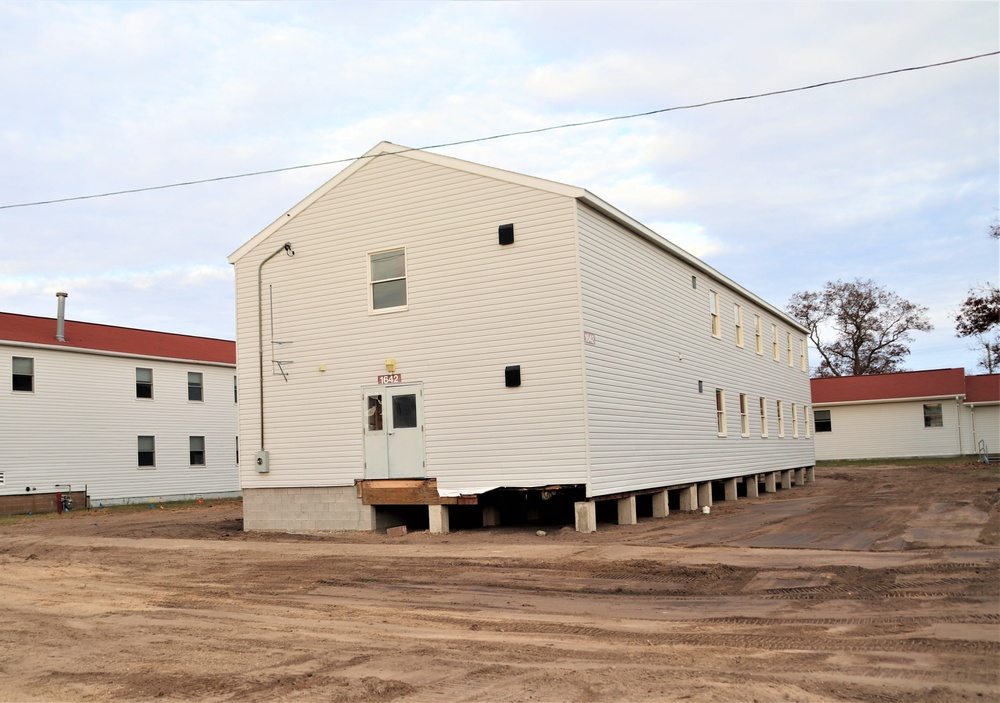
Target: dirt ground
[[871, 584]]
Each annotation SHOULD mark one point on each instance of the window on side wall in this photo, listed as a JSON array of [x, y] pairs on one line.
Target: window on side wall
[[744, 416], [763, 416], [720, 411], [779, 406], [387, 280], [713, 307], [196, 387], [822, 421], [795, 420], [808, 411], [144, 383], [147, 452], [791, 361], [196, 446], [933, 416], [236, 390], [738, 317], [22, 374], [758, 329], [774, 343], [803, 357]]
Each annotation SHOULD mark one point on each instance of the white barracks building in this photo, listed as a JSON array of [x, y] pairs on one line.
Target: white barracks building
[[429, 340]]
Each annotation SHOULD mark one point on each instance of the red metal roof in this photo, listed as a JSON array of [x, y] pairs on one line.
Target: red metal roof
[[982, 389], [909, 384], [123, 340]]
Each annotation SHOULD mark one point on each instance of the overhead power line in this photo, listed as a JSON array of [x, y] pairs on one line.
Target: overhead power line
[[505, 135]]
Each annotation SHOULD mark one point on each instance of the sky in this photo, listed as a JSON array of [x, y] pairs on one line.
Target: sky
[[894, 179]]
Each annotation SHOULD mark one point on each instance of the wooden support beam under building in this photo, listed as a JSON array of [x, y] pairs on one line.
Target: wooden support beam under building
[[407, 491]]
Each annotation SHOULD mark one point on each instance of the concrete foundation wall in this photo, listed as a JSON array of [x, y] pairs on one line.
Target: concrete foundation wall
[[306, 509]]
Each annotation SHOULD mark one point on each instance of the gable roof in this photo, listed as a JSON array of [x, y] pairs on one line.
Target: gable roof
[[579, 194], [889, 386], [41, 331]]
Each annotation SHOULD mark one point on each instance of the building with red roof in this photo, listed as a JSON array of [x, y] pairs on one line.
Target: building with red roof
[[941, 412], [115, 413]]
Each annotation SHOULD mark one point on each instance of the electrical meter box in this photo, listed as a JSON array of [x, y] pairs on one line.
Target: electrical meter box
[[262, 461]]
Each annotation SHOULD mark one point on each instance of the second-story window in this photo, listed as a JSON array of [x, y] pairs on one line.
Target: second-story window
[[196, 390], [713, 308], [738, 318], [22, 374], [387, 280], [144, 383]]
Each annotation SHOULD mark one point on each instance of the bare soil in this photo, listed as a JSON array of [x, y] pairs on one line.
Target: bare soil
[[871, 584]]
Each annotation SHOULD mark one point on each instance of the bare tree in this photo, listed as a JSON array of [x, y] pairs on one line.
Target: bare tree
[[869, 327], [979, 317]]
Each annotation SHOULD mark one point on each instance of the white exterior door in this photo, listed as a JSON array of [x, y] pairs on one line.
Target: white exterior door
[[394, 431]]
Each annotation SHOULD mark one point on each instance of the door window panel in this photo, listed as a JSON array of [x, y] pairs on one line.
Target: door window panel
[[404, 411], [374, 413]]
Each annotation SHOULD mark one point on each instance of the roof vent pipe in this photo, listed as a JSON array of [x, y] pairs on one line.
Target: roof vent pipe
[[61, 317]]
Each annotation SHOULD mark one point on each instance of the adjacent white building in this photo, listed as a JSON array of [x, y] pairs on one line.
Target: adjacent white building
[[127, 414], [427, 330], [941, 412]]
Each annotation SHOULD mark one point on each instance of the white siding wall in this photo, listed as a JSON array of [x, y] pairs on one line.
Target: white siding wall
[[648, 424], [474, 308], [986, 424], [81, 426], [877, 430]]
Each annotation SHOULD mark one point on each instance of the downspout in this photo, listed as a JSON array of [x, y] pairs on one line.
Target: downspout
[[287, 248]]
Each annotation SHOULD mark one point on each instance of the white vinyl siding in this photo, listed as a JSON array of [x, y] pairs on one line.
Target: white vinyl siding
[[894, 429], [473, 308], [648, 424], [100, 448]]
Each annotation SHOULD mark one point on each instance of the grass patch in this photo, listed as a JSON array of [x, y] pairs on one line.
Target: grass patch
[[167, 505], [903, 461]]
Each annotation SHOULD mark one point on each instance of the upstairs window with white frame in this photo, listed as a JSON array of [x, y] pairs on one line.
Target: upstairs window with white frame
[[744, 416], [763, 416], [22, 377], [791, 361], [720, 411], [144, 383], [196, 386], [387, 280], [803, 357], [713, 307], [758, 330], [738, 321], [774, 337]]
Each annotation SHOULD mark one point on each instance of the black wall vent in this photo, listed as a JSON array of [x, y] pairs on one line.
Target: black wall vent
[[506, 233], [512, 376]]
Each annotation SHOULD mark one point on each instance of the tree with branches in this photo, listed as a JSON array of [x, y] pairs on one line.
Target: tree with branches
[[859, 327], [979, 317]]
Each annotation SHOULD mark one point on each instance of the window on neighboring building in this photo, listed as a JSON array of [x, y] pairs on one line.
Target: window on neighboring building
[[23, 374], [196, 390], [822, 421], [144, 383], [933, 416], [758, 330], [744, 416], [795, 420], [147, 451], [713, 306], [763, 416], [720, 411], [774, 344], [738, 317], [236, 391], [197, 447], [781, 418], [387, 271]]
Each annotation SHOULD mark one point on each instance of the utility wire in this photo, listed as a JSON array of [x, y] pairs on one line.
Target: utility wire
[[505, 135]]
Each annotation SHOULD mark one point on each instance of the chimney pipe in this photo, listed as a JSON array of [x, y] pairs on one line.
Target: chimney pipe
[[61, 319]]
